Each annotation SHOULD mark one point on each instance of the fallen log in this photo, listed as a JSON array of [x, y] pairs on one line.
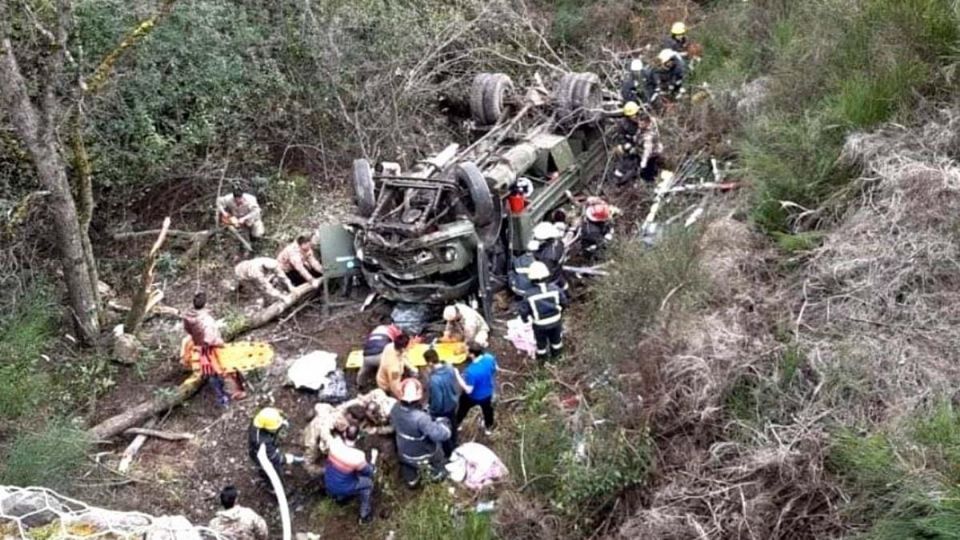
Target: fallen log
[[271, 312], [166, 311], [165, 435], [131, 451], [190, 235], [134, 416]]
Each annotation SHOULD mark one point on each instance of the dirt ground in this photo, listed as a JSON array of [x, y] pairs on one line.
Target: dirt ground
[[185, 477]]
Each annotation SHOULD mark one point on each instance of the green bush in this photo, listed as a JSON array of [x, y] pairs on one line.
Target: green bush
[[632, 295], [46, 458], [545, 440], [612, 460], [23, 334], [433, 515]]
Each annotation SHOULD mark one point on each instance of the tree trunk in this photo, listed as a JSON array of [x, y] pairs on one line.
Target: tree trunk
[[39, 138], [134, 416]]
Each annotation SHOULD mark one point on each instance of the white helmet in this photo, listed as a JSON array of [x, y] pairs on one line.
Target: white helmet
[[269, 264], [410, 390], [450, 313], [636, 65], [546, 231], [665, 56], [533, 245], [538, 271]]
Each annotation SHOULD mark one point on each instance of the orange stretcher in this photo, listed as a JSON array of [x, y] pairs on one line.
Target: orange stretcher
[[454, 352], [241, 356]]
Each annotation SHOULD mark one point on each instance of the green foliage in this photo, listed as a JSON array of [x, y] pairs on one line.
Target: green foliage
[[545, 440], [433, 515], [612, 459], [835, 66], [23, 334], [45, 458], [633, 294], [799, 242]]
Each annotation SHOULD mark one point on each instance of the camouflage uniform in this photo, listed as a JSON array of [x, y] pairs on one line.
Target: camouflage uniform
[[239, 523], [260, 271], [247, 212]]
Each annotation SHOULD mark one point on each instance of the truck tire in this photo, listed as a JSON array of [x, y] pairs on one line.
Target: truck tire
[[496, 94], [563, 97], [363, 190], [586, 96], [477, 90], [481, 204]]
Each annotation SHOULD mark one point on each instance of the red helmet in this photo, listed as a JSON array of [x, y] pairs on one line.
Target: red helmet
[[598, 212]]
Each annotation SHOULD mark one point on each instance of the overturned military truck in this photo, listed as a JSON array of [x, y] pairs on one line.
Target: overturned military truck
[[442, 229]]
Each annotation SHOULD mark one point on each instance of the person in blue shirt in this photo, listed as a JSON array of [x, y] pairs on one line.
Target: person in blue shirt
[[479, 383], [443, 395]]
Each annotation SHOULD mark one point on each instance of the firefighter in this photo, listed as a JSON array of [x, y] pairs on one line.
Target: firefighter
[[241, 210], [419, 437], [263, 271], [543, 305], [677, 40], [596, 228], [204, 332], [264, 432], [670, 72], [552, 251], [628, 131], [519, 281], [639, 84]]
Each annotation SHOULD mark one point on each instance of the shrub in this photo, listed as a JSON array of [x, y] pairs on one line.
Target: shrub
[[45, 458], [23, 334], [630, 298], [433, 515]]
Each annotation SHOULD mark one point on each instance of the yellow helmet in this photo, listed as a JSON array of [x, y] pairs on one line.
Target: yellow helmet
[[678, 29], [665, 56], [269, 418], [630, 109]]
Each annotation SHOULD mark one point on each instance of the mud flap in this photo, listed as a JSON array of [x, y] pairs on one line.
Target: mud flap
[[274, 477]]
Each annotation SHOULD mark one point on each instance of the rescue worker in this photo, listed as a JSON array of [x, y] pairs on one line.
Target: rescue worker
[[517, 277], [262, 271], [677, 40], [479, 383], [327, 419], [348, 474], [264, 432], [465, 324], [237, 522], [670, 74], [394, 365], [543, 306], [443, 395], [241, 210], [299, 263], [552, 252], [596, 228], [639, 84], [373, 347], [418, 436], [628, 129], [640, 149], [205, 334]]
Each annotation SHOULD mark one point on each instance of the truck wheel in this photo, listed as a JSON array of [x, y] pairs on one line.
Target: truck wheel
[[363, 187], [563, 97], [481, 206], [496, 93], [586, 96], [477, 91]]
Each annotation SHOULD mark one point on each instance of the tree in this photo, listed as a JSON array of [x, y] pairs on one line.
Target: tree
[[37, 111]]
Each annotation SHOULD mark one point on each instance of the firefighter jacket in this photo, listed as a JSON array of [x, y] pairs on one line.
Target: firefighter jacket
[[543, 304], [418, 435]]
